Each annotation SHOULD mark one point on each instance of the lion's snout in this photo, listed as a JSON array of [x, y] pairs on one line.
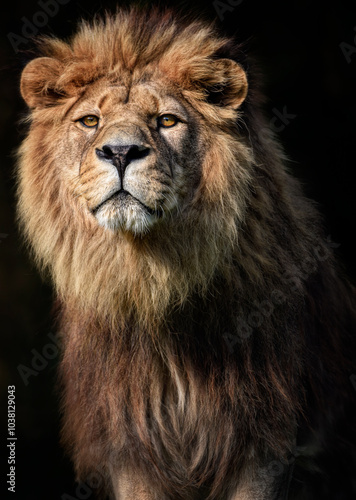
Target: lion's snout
[[122, 155]]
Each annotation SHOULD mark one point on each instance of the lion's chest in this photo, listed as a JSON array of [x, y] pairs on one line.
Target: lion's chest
[[186, 422]]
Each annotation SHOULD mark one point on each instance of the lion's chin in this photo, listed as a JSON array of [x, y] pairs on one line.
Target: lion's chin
[[126, 213]]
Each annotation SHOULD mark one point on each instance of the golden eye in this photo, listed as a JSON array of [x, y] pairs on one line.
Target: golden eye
[[89, 121], [167, 121]]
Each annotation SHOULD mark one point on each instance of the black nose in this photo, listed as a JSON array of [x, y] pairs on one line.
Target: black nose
[[121, 156]]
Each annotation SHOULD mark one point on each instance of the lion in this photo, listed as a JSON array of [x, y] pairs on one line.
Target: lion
[[207, 333]]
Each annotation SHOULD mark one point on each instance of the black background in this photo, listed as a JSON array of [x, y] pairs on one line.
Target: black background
[[297, 44]]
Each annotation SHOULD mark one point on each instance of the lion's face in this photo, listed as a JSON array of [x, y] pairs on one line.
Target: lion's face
[[132, 154], [128, 139]]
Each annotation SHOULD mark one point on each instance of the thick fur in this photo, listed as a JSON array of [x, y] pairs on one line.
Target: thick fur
[[201, 350]]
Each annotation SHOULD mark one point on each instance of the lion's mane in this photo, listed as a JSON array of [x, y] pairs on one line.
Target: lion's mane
[[196, 347]]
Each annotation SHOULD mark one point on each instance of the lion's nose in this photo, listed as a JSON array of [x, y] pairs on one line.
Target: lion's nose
[[121, 156]]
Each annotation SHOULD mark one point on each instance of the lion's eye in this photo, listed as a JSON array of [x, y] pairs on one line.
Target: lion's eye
[[89, 121], [167, 121]]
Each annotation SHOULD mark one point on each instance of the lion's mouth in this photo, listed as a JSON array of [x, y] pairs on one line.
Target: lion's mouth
[[123, 198]]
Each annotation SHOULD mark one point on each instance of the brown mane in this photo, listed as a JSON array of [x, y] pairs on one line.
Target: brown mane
[[189, 354]]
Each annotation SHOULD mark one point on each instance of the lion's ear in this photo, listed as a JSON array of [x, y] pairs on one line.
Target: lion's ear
[[38, 82], [228, 84]]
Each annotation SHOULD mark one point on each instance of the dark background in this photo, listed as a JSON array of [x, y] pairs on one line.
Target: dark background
[[297, 44]]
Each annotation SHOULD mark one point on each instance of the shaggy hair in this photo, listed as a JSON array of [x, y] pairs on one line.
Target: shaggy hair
[[200, 351]]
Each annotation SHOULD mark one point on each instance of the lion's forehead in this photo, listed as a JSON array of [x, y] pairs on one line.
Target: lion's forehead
[[142, 97]]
